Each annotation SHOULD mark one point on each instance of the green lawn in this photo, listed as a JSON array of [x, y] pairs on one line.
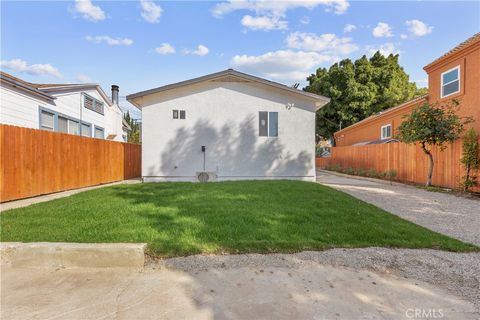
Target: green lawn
[[248, 216]]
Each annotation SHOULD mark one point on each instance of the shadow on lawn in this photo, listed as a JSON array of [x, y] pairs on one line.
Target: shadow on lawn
[[195, 218]]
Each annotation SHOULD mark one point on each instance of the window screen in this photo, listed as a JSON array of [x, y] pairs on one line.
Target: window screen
[[47, 120], [182, 114], [73, 127], [62, 124], [98, 133], [86, 131], [273, 124], [451, 82], [263, 124], [175, 114]]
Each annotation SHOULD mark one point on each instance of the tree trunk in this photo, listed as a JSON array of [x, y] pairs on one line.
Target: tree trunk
[[430, 164]]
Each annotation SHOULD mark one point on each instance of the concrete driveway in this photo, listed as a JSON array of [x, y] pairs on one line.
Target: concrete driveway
[[225, 287], [455, 216]]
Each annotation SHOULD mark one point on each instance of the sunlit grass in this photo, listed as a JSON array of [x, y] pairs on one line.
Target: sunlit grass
[[247, 216]]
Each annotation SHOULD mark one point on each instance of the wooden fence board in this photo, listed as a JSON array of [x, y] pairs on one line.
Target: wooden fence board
[[35, 162], [409, 161]]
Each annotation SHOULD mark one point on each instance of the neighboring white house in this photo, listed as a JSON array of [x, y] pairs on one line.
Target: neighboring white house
[[227, 126], [70, 108]]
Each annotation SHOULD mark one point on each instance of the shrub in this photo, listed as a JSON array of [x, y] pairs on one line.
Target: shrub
[[470, 159]]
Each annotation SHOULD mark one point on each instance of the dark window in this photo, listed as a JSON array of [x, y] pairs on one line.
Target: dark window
[[263, 124], [175, 114], [182, 114]]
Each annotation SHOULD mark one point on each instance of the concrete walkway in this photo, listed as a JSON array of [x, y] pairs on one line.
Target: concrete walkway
[[57, 195], [217, 287], [452, 215]]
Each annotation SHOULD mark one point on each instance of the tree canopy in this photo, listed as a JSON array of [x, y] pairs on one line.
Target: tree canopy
[[432, 125], [134, 133], [359, 89]]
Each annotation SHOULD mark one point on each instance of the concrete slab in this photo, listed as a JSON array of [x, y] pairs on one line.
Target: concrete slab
[[309, 291], [57, 195], [91, 255]]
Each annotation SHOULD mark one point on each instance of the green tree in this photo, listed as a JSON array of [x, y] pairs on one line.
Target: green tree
[[358, 90], [134, 133], [432, 125], [470, 159]]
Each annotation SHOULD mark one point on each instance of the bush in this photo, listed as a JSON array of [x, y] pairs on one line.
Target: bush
[[470, 159]]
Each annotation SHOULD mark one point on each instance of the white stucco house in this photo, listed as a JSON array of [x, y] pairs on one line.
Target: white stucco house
[[81, 109], [227, 126]]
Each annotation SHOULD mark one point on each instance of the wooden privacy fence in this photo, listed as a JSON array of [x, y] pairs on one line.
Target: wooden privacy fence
[[409, 162], [34, 162]]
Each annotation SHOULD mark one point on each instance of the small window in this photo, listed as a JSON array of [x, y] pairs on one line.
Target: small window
[[273, 124], [92, 104], [450, 82], [86, 130], [73, 127], [99, 133], [268, 124], [182, 114], [62, 124], [263, 124], [47, 120], [386, 131], [175, 114]]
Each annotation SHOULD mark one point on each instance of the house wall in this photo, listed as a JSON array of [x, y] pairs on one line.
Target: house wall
[[370, 129], [469, 95], [223, 116], [468, 59], [19, 108]]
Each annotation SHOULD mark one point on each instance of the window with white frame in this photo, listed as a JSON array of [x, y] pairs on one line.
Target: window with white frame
[[267, 124], [450, 81], [47, 120], [386, 131], [93, 104]]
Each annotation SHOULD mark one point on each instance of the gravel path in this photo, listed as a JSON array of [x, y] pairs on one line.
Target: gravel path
[[452, 215], [458, 273]]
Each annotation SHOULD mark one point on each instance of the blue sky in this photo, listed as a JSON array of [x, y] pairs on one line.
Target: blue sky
[[142, 44]]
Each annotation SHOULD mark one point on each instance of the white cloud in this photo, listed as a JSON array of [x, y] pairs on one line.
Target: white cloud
[[403, 36], [201, 50], [283, 65], [277, 8], [305, 20], [21, 66], [110, 41], [89, 11], [382, 30], [83, 78], [150, 11], [422, 83], [349, 28], [270, 15], [385, 49], [263, 23], [165, 48], [327, 43], [418, 28]]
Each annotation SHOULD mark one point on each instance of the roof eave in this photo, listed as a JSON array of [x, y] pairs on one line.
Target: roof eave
[[315, 97], [27, 88]]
